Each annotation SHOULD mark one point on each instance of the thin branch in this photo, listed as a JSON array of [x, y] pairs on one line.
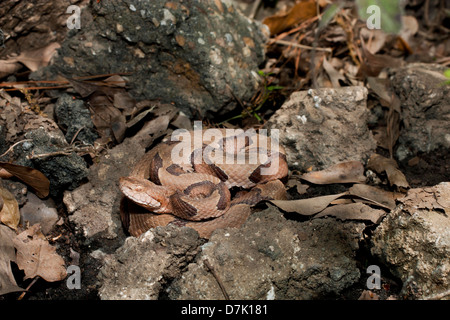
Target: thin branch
[[15, 144], [28, 288], [65, 152], [255, 8], [302, 46]]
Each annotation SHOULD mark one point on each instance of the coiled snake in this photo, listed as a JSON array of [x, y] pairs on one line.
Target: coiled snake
[[187, 182]]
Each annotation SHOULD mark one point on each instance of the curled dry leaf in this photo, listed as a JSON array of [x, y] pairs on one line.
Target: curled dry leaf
[[344, 208], [301, 188], [375, 195], [36, 257], [300, 12], [333, 74], [7, 254], [9, 214], [33, 60], [307, 207], [353, 211], [32, 177], [345, 172], [381, 164]]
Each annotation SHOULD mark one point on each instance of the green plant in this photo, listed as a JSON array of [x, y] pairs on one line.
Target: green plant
[[447, 75]]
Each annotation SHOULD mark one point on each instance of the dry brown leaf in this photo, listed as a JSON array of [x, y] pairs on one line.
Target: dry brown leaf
[[333, 74], [35, 59], [301, 188], [307, 207], [32, 177], [36, 257], [377, 39], [7, 254], [106, 117], [8, 67], [152, 130], [410, 26], [375, 195], [117, 81], [10, 214], [123, 100], [372, 64], [381, 164], [344, 172], [353, 211], [380, 87], [300, 12]]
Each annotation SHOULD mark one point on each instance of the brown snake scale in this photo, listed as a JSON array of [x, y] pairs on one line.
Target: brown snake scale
[[191, 187]]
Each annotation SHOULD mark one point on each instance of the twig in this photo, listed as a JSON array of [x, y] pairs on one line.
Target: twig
[[211, 269], [255, 7], [76, 134], [15, 144], [302, 46], [28, 288], [65, 152]]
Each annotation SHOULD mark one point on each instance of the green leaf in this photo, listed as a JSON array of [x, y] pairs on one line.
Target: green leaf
[[329, 14], [271, 88], [447, 73], [384, 14]]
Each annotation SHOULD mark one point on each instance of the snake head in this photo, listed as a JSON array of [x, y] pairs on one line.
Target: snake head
[[145, 193]]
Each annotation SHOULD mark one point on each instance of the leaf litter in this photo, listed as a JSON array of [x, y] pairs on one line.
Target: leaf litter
[[359, 202]]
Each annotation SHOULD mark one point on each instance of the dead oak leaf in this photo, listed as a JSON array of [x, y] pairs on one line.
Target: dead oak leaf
[[344, 172], [9, 213], [353, 211], [300, 12], [379, 164], [36, 257], [32, 177], [7, 254]]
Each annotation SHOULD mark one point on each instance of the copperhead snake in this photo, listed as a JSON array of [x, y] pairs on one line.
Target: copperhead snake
[[191, 186]]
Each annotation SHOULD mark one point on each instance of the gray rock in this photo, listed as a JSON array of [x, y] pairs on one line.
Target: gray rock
[[274, 258], [333, 131], [196, 54], [63, 171], [94, 206], [142, 266], [414, 242], [425, 108], [75, 118]]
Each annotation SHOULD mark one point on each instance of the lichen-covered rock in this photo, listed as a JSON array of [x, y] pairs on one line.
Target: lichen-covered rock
[[274, 258], [425, 108], [333, 131], [414, 242], [199, 55], [140, 268]]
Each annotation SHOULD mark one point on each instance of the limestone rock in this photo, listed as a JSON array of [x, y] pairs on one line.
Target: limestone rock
[[414, 242], [333, 131]]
